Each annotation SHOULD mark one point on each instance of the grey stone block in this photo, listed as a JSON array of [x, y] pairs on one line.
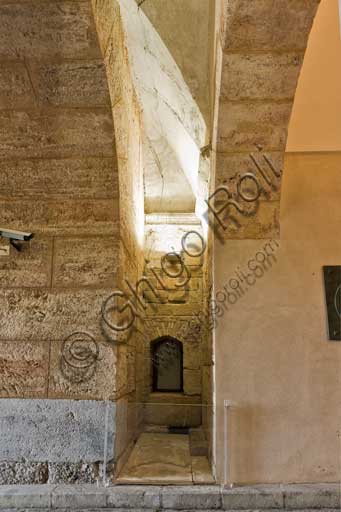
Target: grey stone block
[[255, 497], [14, 473], [68, 473], [312, 496], [139, 497], [182, 498], [55, 430], [80, 496], [22, 496]]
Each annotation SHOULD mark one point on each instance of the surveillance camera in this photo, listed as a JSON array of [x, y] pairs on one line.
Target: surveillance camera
[[15, 236]]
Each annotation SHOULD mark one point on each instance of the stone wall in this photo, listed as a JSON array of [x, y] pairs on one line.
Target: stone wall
[[263, 44], [59, 180], [128, 135], [175, 311]]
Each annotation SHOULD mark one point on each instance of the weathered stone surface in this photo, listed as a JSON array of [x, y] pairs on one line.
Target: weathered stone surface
[[134, 497], [201, 471], [158, 458], [262, 224], [119, 498], [86, 261], [263, 24], [104, 18], [310, 496], [68, 473], [13, 497], [48, 29], [192, 354], [15, 86], [258, 496], [192, 382], [232, 167], [207, 497], [92, 178], [29, 267], [21, 473], [178, 414], [51, 133], [90, 380], [81, 496], [69, 217], [76, 84], [253, 126], [260, 77], [41, 430], [32, 314], [197, 443], [175, 310], [23, 369]]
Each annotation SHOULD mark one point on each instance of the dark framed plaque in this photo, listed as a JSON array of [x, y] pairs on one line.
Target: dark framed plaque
[[332, 285]]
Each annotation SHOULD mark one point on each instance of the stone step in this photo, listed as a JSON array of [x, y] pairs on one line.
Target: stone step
[[198, 446], [170, 498]]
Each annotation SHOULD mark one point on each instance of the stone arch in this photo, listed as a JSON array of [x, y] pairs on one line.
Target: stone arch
[[263, 43]]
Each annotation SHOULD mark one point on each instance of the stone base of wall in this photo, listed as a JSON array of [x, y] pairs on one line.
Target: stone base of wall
[[151, 498], [55, 441]]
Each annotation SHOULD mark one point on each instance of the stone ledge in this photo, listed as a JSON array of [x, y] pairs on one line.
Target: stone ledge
[[271, 498]]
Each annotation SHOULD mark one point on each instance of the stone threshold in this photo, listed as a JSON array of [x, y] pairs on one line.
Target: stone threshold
[[170, 498]]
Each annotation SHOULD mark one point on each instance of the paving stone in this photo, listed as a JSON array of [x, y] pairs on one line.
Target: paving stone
[[80, 496], [312, 496], [182, 498], [131, 497], [25, 496], [198, 443], [255, 497], [201, 471]]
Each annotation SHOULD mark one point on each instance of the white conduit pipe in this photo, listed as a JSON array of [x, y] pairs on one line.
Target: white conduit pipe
[[227, 454]]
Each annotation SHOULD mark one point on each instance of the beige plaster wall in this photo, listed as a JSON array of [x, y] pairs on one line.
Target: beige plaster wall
[[316, 117], [273, 357]]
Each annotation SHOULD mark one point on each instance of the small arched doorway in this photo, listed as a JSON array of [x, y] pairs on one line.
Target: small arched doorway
[[167, 365]]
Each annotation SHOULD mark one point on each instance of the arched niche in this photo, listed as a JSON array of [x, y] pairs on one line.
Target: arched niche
[[167, 365]]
